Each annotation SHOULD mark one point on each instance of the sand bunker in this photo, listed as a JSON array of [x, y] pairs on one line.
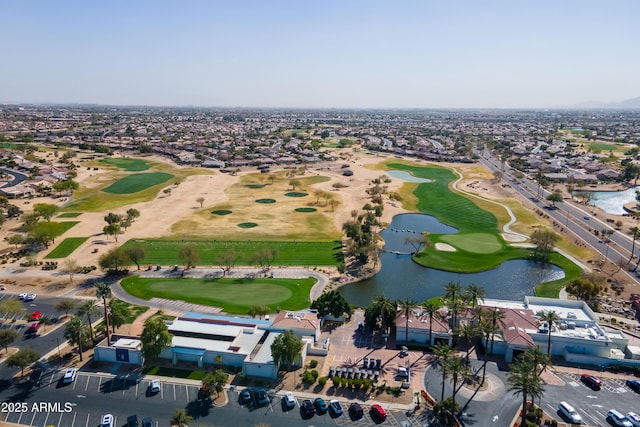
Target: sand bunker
[[445, 247]]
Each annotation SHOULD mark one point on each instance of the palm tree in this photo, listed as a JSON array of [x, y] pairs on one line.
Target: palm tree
[[442, 353], [523, 380], [468, 332], [635, 233], [496, 317], [430, 308], [89, 308], [537, 358], [455, 308], [103, 291], [487, 328], [474, 293], [452, 291], [406, 305], [550, 317], [381, 313], [77, 331], [459, 370]]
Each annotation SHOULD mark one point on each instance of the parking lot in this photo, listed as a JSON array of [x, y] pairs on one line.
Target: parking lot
[[83, 402]]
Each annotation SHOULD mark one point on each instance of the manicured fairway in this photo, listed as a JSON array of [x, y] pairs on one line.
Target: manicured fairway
[[232, 295], [137, 182], [129, 165], [70, 215], [66, 247], [68, 224], [481, 243], [165, 251]]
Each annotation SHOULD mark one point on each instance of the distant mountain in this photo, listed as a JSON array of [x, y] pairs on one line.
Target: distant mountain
[[629, 104]]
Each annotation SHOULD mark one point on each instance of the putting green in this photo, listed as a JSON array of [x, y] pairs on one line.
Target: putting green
[[221, 212], [481, 243], [129, 165], [296, 194], [137, 182], [247, 225]]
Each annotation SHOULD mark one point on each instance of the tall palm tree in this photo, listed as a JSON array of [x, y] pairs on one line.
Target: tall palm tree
[[474, 293], [103, 291], [87, 309], [406, 305], [459, 370], [455, 308], [550, 317], [496, 317], [382, 310], [468, 332], [635, 233], [523, 380], [452, 292], [442, 353], [76, 332], [537, 358], [488, 330], [430, 308]]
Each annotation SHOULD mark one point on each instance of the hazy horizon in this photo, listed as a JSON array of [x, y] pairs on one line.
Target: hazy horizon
[[328, 55]]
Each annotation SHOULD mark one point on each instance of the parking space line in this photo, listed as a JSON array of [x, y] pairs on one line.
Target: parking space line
[[124, 386], [87, 384], [99, 383], [33, 418], [174, 391], [46, 418], [51, 379], [73, 422], [60, 419], [137, 387], [87, 423], [20, 417], [162, 391], [186, 388]]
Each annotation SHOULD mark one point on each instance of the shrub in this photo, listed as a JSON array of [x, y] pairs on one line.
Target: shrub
[[322, 381], [309, 377], [313, 363]]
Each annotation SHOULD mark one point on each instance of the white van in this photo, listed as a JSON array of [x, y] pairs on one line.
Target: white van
[[107, 420], [569, 413]]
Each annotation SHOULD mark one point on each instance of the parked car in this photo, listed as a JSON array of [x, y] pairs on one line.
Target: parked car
[[261, 397], [245, 396], [591, 381], [355, 410], [22, 296], [30, 297], [288, 400], [307, 408], [633, 385], [69, 376], [147, 422], [569, 413], [616, 418], [154, 387], [633, 419], [36, 315], [335, 407], [321, 405], [33, 329], [378, 412], [106, 420], [132, 421]]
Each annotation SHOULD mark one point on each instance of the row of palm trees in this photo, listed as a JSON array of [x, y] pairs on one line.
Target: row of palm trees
[[78, 331]]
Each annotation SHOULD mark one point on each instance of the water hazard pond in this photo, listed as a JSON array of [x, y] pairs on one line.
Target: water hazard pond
[[401, 278]]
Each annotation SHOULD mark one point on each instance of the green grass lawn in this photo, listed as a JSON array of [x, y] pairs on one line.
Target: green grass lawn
[[594, 146], [69, 215], [231, 294], [66, 247], [165, 251], [126, 164], [66, 225], [174, 373], [481, 243], [133, 311], [137, 182]]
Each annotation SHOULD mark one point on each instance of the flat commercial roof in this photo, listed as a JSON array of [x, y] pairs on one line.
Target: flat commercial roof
[[207, 328], [233, 319], [264, 354]]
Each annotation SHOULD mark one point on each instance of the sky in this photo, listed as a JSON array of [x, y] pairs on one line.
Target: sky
[[320, 54]]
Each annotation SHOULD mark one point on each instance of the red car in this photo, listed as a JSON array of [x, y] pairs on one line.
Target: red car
[[591, 381], [33, 329], [378, 411], [36, 315]]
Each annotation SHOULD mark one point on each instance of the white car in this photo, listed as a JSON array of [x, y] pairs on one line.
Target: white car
[[30, 297], [22, 296], [618, 419], [633, 419], [289, 400], [154, 387], [569, 413], [69, 376], [106, 421]]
